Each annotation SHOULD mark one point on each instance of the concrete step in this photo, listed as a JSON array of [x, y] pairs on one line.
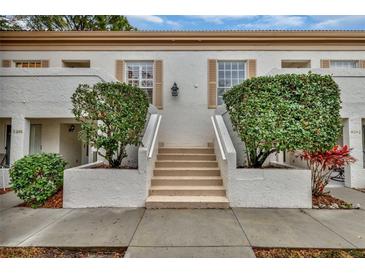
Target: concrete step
[[186, 163], [188, 190], [186, 150], [186, 156], [187, 202], [187, 171], [186, 181]]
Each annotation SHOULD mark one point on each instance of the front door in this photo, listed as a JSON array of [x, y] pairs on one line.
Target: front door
[[35, 140]]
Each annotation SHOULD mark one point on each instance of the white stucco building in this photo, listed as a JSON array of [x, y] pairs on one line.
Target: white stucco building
[[40, 71]]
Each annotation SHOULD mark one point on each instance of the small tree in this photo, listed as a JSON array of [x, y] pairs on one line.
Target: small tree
[[323, 164], [112, 116], [285, 112]]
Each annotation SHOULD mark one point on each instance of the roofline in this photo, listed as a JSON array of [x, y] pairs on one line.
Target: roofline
[[87, 40]]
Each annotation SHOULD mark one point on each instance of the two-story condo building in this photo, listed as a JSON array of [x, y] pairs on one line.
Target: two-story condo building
[[40, 71]]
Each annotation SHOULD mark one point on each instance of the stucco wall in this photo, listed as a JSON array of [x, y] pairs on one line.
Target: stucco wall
[[86, 186], [42, 93], [4, 177], [99, 187], [186, 117], [265, 187], [70, 145]]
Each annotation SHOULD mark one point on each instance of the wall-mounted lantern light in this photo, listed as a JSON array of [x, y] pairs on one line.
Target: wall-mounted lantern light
[[71, 128], [174, 90]]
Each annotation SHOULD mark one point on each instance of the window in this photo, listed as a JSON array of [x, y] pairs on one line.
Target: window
[[28, 64], [140, 74], [295, 63], [76, 63], [344, 64], [230, 73]]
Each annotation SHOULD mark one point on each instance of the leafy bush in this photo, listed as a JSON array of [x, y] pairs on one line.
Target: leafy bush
[[35, 178], [285, 112], [112, 116], [323, 164]]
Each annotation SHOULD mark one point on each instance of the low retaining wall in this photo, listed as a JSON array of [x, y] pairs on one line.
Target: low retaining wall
[[4, 178], [281, 187], [87, 186], [270, 187]]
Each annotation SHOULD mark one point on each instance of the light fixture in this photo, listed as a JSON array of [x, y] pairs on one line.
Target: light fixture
[[71, 128], [174, 90]]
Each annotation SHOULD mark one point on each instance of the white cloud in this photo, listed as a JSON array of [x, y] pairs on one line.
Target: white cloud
[[148, 18], [220, 19], [173, 23], [338, 22], [274, 22]]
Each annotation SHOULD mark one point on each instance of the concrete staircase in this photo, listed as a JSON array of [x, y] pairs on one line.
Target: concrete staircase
[[187, 178]]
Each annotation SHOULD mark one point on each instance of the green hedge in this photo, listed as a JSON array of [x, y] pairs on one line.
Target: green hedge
[[35, 178], [112, 116], [285, 112]]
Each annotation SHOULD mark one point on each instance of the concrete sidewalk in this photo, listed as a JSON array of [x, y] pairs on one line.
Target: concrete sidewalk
[[349, 195], [184, 232], [9, 200]]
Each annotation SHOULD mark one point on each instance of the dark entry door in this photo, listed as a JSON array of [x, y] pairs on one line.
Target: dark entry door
[[7, 144]]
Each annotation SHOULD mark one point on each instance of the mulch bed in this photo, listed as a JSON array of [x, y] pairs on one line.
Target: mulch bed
[[3, 191], [55, 201], [58, 252], [108, 167], [308, 253], [327, 201]]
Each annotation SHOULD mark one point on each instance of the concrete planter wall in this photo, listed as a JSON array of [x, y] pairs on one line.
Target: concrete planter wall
[[87, 186], [4, 177], [267, 187], [279, 188]]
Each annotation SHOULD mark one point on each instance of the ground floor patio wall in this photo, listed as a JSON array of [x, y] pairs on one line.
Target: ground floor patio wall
[[89, 186], [281, 187]]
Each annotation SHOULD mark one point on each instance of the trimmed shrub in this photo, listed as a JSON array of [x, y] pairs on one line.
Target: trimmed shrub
[[285, 112], [112, 116], [35, 178]]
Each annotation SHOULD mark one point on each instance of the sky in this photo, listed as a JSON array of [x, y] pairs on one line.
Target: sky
[[260, 22]]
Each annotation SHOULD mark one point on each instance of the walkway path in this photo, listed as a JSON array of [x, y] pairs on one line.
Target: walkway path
[[183, 232], [349, 195]]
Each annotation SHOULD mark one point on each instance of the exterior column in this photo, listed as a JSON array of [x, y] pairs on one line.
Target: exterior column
[[352, 133], [20, 130]]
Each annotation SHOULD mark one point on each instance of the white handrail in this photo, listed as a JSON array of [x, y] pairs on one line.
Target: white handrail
[[150, 152], [218, 139]]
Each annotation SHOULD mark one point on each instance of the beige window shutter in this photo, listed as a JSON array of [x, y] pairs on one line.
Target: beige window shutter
[[361, 63], [251, 70], [212, 83], [158, 92], [325, 64], [119, 70], [6, 63], [44, 63]]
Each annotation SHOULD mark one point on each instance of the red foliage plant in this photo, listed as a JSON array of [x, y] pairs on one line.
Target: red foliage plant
[[322, 164]]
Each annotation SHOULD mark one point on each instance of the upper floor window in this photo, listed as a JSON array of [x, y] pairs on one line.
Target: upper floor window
[[344, 64], [295, 63], [230, 73], [28, 64], [140, 74], [76, 63]]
